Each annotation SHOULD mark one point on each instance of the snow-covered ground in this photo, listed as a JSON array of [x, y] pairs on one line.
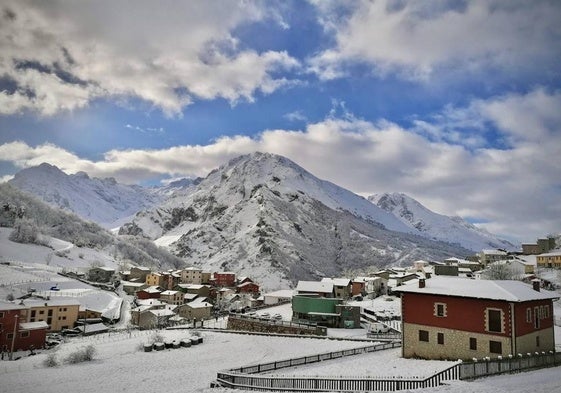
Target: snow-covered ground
[[121, 366]]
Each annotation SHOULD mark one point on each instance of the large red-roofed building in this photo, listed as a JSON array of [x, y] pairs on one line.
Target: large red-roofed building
[[456, 318]]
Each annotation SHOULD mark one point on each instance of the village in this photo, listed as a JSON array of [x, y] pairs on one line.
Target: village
[[493, 305]]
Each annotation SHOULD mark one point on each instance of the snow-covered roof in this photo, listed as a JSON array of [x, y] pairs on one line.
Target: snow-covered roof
[[51, 302], [315, 286], [164, 312], [507, 290], [245, 284], [191, 286], [554, 253], [169, 293], [199, 305], [286, 293], [33, 325], [5, 306], [338, 282], [193, 269], [132, 284], [152, 289], [190, 296], [146, 269], [493, 252], [149, 302], [104, 268]]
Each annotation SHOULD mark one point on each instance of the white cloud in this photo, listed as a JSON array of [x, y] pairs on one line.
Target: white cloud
[[515, 190], [62, 55], [415, 38]]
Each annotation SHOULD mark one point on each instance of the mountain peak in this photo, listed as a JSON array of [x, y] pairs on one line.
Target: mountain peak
[[437, 226]]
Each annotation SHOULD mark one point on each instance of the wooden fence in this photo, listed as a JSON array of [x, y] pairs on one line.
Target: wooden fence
[[509, 364], [245, 378]]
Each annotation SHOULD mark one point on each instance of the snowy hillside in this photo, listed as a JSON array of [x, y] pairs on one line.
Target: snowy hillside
[[103, 201], [437, 226], [264, 216]]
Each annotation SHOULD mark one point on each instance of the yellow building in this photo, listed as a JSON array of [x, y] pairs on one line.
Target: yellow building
[[58, 314], [156, 280], [550, 259]]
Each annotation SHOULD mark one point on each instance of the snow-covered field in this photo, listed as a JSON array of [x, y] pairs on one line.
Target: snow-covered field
[[120, 366]]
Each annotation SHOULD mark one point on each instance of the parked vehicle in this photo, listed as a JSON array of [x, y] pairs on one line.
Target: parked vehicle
[[277, 317], [378, 327]]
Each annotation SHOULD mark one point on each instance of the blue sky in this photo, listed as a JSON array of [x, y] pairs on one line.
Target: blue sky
[[455, 103]]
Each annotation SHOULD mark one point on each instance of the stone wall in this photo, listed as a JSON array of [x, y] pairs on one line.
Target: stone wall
[[254, 325]]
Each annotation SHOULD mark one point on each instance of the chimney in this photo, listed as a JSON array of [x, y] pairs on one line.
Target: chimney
[[536, 285], [421, 282]]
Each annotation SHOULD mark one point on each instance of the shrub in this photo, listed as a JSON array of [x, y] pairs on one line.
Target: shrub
[[85, 354], [51, 360]]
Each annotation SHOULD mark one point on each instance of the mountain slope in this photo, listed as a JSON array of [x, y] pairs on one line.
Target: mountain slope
[[103, 201], [264, 216], [437, 226], [23, 210]]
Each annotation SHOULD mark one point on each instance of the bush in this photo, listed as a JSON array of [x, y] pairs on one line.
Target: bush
[[85, 354], [51, 360]]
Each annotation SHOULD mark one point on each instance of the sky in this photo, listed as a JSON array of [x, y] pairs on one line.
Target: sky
[[455, 103]]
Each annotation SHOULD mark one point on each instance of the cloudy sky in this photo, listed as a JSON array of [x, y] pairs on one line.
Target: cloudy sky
[[455, 103]]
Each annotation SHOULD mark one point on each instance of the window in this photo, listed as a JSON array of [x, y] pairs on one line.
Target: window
[[496, 347], [439, 309], [50, 314], [529, 315], [473, 343], [494, 320], [546, 311], [32, 313], [424, 335], [1, 314], [536, 317], [9, 336], [440, 338], [24, 334]]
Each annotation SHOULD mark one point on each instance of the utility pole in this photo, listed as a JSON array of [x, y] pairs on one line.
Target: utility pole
[[14, 336]]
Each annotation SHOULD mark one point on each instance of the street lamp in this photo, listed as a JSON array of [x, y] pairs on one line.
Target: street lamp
[[14, 336]]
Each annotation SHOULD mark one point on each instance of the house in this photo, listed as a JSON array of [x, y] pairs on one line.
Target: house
[[191, 275], [138, 273], [324, 311], [154, 318], [542, 246], [101, 274], [342, 287], [131, 287], [248, 287], [196, 289], [366, 286], [489, 256], [195, 310], [171, 279], [28, 335], [322, 289], [457, 318], [550, 259], [172, 297], [152, 292], [58, 313], [224, 279], [156, 279], [279, 296]]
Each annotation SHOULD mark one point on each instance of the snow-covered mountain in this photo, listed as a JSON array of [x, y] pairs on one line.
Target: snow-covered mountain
[[264, 216], [437, 226], [104, 201]]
